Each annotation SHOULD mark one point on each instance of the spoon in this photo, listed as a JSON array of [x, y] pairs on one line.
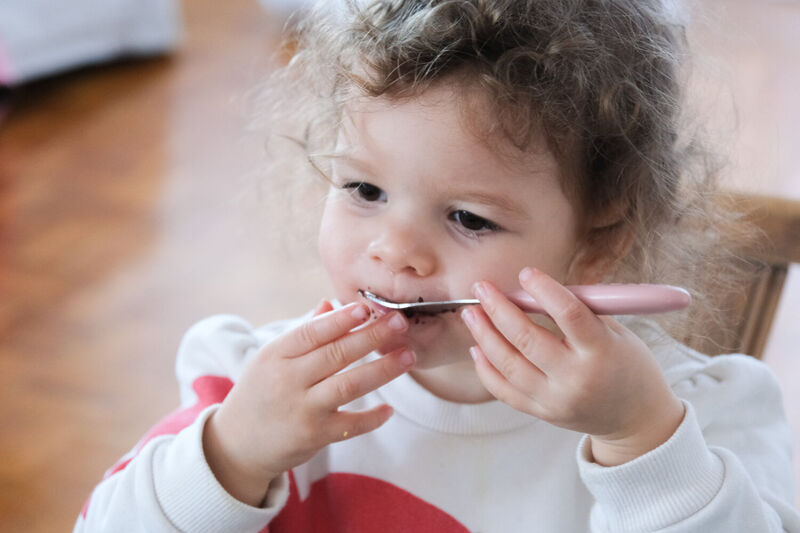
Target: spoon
[[611, 299]]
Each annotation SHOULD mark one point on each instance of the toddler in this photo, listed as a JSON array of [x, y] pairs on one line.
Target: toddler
[[474, 147]]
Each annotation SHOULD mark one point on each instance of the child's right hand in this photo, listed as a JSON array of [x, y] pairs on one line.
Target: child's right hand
[[284, 408]]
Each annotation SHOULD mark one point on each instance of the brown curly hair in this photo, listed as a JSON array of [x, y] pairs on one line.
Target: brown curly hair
[[600, 79]]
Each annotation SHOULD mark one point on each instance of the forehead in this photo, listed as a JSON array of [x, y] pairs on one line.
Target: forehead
[[443, 131]]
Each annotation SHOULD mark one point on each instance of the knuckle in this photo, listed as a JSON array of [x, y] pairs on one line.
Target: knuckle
[[376, 336], [337, 354], [307, 333], [525, 341], [346, 388], [508, 368], [573, 312]]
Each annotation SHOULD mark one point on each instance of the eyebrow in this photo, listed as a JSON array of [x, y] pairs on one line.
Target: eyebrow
[[492, 200], [342, 156]]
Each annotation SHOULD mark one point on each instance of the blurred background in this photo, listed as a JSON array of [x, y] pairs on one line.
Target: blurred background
[[129, 210]]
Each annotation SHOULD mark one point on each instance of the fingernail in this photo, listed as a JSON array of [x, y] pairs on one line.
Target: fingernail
[[468, 315], [408, 358], [360, 312], [473, 352], [526, 274], [398, 322], [479, 290]]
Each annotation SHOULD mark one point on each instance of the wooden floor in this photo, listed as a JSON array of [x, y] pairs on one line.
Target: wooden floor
[[126, 214]]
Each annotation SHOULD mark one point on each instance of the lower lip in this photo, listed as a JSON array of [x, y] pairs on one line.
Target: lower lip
[[423, 320], [424, 329]]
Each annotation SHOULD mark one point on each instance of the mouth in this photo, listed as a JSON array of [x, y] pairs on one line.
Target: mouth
[[378, 310]]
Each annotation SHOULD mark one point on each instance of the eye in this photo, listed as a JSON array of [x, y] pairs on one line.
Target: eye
[[365, 191], [472, 222]]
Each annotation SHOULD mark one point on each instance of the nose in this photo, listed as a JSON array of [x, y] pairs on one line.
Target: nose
[[402, 249]]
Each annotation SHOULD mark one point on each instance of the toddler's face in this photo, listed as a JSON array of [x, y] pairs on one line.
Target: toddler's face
[[421, 208]]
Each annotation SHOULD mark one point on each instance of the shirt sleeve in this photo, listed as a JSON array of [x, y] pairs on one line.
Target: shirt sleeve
[[164, 483], [727, 468]]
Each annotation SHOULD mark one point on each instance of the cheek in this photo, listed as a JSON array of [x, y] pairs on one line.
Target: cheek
[[544, 254], [338, 249], [499, 265], [330, 242]]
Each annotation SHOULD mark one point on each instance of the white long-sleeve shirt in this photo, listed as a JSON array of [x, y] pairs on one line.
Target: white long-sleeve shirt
[[443, 467]]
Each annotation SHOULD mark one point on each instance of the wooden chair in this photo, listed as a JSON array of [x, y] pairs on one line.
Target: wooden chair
[[768, 258]]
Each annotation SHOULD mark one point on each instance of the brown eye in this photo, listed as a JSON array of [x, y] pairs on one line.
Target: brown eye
[[365, 191], [473, 222]]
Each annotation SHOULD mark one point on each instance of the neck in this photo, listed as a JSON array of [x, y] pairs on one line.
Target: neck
[[456, 382]]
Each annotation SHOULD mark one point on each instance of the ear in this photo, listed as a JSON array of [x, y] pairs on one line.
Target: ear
[[599, 254]]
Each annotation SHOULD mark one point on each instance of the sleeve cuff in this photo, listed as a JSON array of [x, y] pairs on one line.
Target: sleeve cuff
[[192, 497], [662, 487]]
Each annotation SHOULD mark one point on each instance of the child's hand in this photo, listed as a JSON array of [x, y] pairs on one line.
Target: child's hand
[[600, 379], [284, 408]]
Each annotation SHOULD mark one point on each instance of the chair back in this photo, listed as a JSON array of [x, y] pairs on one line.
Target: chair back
[[766, 261]]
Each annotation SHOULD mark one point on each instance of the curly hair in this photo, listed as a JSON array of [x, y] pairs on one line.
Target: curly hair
[[601, 80]]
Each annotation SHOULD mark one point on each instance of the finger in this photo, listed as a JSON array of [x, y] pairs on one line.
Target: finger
[[323, 307], [345, 425], [504, 357], [499, 387], [320, 330], [579, 324], [612, 324], [338, 354], [345, 387], [536, 343]]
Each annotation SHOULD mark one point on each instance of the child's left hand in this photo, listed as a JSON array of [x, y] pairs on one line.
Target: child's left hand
[[600, 379]]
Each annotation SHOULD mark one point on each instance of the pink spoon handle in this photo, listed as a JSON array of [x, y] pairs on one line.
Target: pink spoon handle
[[617, 299]]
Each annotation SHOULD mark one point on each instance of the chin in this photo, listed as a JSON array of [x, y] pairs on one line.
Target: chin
[[432, 351]]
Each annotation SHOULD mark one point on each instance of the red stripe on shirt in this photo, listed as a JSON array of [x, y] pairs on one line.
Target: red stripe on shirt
[[353, 503]]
